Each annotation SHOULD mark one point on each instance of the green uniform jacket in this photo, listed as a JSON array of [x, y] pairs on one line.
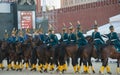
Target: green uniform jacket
[[81, 39], [53, 39], [72, 38], [97, 40], [113, 37], [65, 38]]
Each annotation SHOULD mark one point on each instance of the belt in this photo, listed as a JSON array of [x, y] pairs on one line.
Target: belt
[[113, 39], [72, 40], [65, 40], [97, 39]]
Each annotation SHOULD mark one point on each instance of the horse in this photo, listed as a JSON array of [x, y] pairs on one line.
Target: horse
[[20, 55], [106, 51], [3, 53], [27, 48], [109, 51], [64, 52], [45, 56], [85, 53]]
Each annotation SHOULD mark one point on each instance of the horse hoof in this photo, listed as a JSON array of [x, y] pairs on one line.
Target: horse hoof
[[3, 68], [85, 72], [7, 70], [40, 71], [93, 71], [109, 72], [31, 69], [100, 72], [52, 69], [45, 70], [57, 70]]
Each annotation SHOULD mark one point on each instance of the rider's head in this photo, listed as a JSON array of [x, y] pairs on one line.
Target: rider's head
[[111, 28], [95, 28], [71, 29]]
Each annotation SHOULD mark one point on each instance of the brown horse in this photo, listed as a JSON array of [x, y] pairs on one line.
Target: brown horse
[[66, 51], [45, 56], [3, 53], [27, 48], [106, 51], [109, 51], [85, 53]]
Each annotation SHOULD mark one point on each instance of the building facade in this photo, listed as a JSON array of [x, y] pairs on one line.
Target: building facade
[[69, 3], [86, 13], [37, 2]]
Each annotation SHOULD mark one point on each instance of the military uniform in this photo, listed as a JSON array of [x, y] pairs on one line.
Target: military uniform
[[53, 39], [72, 36], [80, 37], [64, 36], [13, 38], [6, 36], [98, 41], [113, 37], [20, 37], [27, 35], [97, 38]]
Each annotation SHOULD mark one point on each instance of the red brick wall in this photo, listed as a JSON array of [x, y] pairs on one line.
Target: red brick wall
[[87, 14]]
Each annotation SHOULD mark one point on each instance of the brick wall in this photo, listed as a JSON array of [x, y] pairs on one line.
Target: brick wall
[[87, 14]]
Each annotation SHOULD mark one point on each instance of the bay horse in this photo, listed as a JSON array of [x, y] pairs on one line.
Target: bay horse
[[68, 51], [45, 56], [106, 51], [3, 53], [27, 48], [85, 53]]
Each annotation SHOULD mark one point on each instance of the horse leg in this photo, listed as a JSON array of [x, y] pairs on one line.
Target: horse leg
[[105, 65], [90, 65], [85, 69], [9, 64], [39, 68], [79, 65], [74, 64], [118, 66], [1, 64], [52, 66], [108, 67], [26, 64]]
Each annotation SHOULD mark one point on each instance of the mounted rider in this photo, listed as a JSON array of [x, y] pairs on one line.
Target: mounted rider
[[5, 35], [113, 37], [53, 40], [27, 34], [64, 35], [80, 37], [98, 41], [42, 35], [20, 36], [72, 36], [12, 38]]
